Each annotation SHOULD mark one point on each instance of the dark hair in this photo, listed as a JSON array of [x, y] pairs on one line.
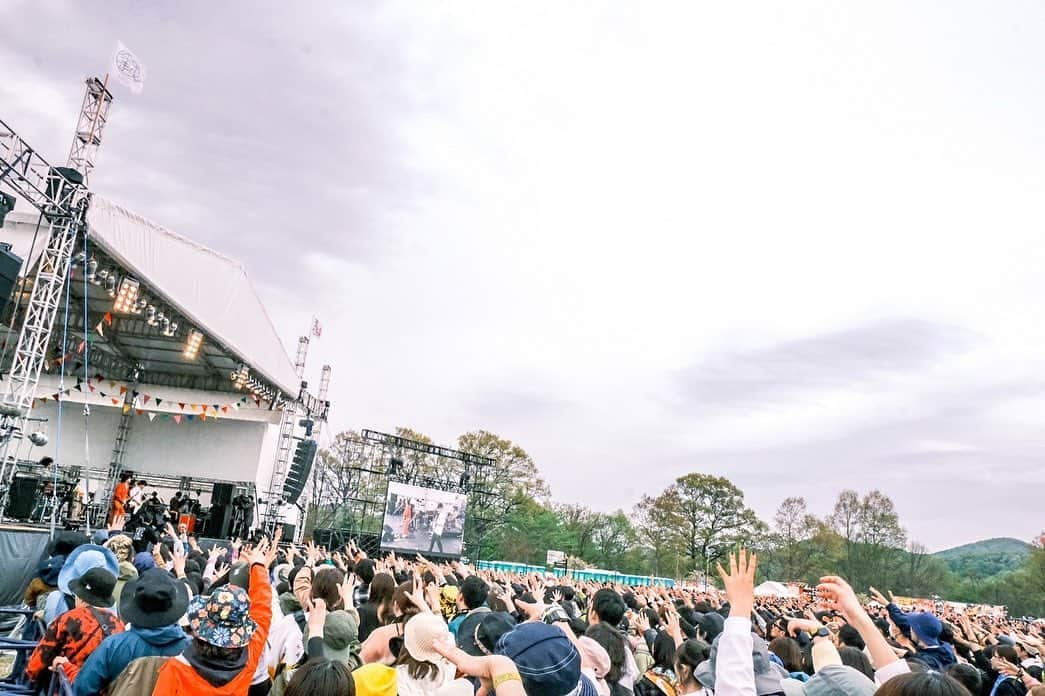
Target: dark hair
[[401, 601], [789, 652], [417, 669], [382, 588], [141, 482], [326, 585], [848, 635], [922, 684], [126, 476], [321, 677], [851, 657], [474, 592], [1007, 653], [969, 676], [608, 606], [365, 570], [664, 651], [568, 593], [214, 653], [613, 641], [690, 654]]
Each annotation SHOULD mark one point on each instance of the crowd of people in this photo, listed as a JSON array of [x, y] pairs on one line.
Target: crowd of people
[[170, 617]]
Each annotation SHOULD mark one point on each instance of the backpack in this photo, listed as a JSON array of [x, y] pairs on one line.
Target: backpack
[[139, 677]]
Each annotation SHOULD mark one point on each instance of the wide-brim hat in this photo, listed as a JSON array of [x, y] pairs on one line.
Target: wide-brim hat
[[82, 559], [420, 635], [95, 587], [153, 600], [488, 631], [375, 679], [223, 618]]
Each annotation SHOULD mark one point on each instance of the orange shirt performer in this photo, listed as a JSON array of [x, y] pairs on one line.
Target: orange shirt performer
[[120, 496]]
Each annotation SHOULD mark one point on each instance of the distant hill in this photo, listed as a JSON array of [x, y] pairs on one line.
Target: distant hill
[[984, 559]]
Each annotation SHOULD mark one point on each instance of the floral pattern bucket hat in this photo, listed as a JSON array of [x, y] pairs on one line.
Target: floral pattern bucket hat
[[222, 619]]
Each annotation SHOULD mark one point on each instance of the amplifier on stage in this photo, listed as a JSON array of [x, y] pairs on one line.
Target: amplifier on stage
[[189, 521]]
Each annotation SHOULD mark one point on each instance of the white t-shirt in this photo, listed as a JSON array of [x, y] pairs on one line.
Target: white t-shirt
[[440, 522]]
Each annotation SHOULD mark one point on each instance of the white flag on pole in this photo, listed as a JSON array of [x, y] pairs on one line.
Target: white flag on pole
[[127, 68]]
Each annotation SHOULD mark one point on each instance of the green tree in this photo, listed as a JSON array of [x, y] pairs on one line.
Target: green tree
[[872, 536], [792, 551], [657, 528], [711, 518], [501, 489]]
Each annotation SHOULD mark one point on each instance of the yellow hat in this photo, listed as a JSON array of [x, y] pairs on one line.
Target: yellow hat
[[375, 679]]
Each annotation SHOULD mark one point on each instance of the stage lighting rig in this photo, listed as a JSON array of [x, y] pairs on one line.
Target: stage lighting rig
[[92, 270], [192, 344], [126, 296], [240, 376]]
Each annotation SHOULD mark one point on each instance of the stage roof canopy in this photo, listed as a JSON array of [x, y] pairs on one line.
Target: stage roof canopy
[[192, 285]]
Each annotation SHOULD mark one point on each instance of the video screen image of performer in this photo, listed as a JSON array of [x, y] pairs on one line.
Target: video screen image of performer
[[424, 519]]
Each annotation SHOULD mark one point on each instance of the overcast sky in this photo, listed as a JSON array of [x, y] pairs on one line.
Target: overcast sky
[[793, 244]]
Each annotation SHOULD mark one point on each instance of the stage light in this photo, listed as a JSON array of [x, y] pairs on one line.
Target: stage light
[[140, 305], [241, 376], [110, 284], [126, 296], [92, 270], [172, 329], [150, 315], [192, 345]]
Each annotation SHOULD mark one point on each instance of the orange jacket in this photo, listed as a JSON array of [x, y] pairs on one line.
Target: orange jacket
[[177, 677]]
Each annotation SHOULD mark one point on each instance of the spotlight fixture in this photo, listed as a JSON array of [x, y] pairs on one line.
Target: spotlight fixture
[[171, 330], [140, 305], [192, 345], [165, 326], [126, 296], [150, 315], [92, 270], [240, 377], [110, 284]]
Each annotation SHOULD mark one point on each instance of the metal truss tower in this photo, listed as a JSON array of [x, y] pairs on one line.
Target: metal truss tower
[[287, 421], [63, 201], [62, 197], [94, 113]]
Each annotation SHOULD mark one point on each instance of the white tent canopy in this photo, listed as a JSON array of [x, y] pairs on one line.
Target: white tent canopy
[[211, 290], [771, 588]]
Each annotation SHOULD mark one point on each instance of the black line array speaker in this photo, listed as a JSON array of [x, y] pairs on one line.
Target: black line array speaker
[[10, 264], [23, 497], [219, 521], [222, 494]]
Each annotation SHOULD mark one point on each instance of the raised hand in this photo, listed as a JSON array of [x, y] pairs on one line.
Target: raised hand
[[739, 582]]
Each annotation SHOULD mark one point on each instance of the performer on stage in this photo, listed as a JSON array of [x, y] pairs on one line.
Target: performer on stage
[[408, 516], [120, 496], [437, 528]]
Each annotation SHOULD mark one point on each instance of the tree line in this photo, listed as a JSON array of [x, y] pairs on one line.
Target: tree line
[[685, 529]]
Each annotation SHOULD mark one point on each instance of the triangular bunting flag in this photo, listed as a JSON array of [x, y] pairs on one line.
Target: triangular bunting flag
[[99, 377], [194, 406], [190, 417], [181, 405], [108, 318], [135, 393], [79, 386], [102, 394], [146, 398], [115, 402], [138, 411], [203, 416], [152, 416], [57, 396], [159, 401], [177, 418], [100, 329], [257, 401], [79, 348], [225, 409], [91, 387], [123, 390], [215, 407]]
